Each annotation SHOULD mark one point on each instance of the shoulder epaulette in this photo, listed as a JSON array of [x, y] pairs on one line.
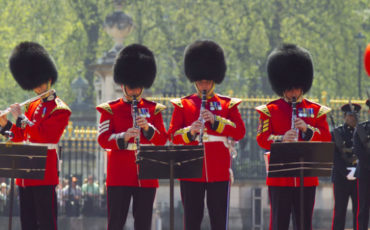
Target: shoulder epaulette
[[158, 108], [106, 107], [264, 110], [177, 101], [234, 101], [323, 110], [60, 106]]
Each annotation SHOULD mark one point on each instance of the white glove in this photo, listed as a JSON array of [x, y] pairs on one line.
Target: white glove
[[351, 174], [266, 158]]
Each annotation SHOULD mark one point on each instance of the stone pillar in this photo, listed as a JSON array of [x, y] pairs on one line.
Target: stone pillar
[[118, 25]]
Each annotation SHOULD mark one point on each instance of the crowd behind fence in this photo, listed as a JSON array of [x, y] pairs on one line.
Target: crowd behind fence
[[82, 171]]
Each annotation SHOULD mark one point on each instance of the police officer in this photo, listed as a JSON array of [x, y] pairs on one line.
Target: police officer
[[290, 72], [205, 65], [361, 144], [345, 161], [43, 123], [134, 70]]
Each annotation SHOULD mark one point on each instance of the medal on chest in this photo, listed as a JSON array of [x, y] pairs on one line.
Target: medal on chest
[[306, 112], [144, 112], [215, 105]]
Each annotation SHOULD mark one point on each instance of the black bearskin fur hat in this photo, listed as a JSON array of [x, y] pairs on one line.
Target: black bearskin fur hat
[[135, 67], [351, 108], [288, 67], [204, 60], [31, 65]]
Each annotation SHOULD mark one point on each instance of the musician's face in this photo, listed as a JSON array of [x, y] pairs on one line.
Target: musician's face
[[132, 91], [289, 94], [42, 88], [204, 85]]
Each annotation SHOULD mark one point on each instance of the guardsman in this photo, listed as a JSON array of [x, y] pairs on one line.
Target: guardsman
[[290, 72], [361, 144], [345, 161], [205, 66], [134, 70], [42, 123]]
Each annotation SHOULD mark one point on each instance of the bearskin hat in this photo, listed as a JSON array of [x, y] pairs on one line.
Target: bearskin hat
[[135, 67], [367, 60], [351, 108], [31, 65], [204, 60], [288, 67]]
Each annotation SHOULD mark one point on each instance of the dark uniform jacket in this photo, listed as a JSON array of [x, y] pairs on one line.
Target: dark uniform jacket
[[362, 150], [344, 155]]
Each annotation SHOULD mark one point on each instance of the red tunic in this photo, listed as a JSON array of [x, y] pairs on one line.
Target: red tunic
[[116, 117], [50, 119], [275, 121], [216, 163]]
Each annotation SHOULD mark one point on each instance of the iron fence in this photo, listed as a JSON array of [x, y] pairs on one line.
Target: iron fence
[[81, 156]]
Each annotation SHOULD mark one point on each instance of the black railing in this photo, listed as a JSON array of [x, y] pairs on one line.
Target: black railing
[[81, 157]]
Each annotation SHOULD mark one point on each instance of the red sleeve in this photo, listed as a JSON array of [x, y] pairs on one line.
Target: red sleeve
[[232, 126], [177, 131], [321, 130], [264, 132], [105, 131], [18, 133], [49, 129]]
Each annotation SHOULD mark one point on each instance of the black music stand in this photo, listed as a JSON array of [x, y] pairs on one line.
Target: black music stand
[[170, 162], [21, 161], [300, 159]]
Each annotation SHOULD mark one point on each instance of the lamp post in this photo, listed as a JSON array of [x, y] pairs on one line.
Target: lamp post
[[359, 38]]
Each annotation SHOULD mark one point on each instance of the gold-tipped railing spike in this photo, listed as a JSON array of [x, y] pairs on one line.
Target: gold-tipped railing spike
[[83, 133], [70, 129], [76, 132], [88, 133]]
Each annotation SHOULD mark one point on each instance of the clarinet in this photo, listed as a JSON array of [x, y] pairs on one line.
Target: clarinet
[[294, 113], [134, 116], [203, 106]]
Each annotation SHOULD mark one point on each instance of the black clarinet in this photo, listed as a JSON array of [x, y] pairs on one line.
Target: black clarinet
[[203, 106], [294, 113], [134, 116]]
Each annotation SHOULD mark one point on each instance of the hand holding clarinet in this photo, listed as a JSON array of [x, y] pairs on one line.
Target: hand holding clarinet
[[204, 116], [297, 124], [139, 123]]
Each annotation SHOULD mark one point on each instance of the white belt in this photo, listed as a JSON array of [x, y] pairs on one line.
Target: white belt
[[50, 146], [213, 138], [133, 146]]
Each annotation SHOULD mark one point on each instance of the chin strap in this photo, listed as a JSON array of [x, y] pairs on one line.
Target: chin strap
[[209, 94]]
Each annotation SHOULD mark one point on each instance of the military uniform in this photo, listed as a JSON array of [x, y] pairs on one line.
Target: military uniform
[[361, 146], [215, 180], [344, 159], [116, 118], [276, 120], [43, 124], [228, 123]]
